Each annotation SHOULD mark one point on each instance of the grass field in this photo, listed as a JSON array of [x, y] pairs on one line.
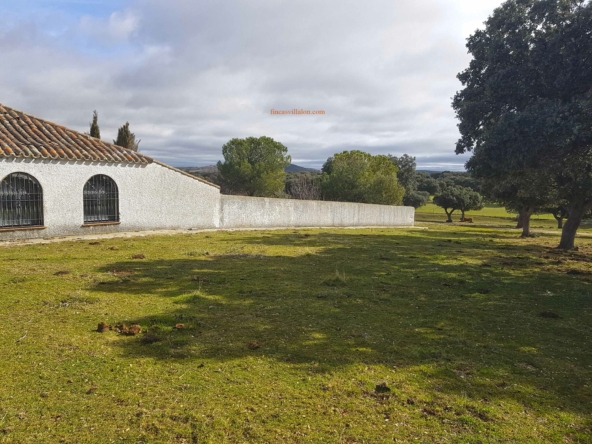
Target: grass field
[[492, 216], [480, 221], [451, 334], [487, 211], [490, 211]]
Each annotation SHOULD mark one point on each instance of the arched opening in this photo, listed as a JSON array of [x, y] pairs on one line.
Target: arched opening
[[21, 201], [101, 200]]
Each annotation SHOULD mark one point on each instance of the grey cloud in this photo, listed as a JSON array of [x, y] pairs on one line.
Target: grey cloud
[[190, 75]]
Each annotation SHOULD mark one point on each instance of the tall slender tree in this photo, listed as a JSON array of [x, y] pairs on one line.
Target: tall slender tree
[[95, 131], [126, 139]]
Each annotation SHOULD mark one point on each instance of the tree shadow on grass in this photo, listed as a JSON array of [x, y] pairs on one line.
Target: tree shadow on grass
[[468, 309]]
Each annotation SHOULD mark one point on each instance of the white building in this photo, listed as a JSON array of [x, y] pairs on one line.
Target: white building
[[56, 181]]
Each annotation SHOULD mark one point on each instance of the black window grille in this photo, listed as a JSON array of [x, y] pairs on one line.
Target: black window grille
[[21, 201], [101, 200]]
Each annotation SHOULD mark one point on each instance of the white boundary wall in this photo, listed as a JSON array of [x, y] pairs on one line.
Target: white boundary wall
[[260, 212], [156, 197]]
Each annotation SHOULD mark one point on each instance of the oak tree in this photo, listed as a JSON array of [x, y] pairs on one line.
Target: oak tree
[[454, 198], [526, 102]]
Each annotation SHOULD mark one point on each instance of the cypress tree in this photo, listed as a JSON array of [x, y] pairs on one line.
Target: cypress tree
[[126, 139], [95, 131]]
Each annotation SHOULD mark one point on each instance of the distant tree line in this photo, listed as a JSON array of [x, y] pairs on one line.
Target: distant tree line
[[256, 167]]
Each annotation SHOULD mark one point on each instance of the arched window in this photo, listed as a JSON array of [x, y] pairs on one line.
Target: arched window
[[21, 201], [101, 200]]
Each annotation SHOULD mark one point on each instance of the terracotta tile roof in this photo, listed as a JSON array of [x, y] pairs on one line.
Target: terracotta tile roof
[[26, 136]]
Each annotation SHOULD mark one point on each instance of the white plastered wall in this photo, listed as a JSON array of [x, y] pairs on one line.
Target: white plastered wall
[[260, 212], [151, 197], [156, 197]]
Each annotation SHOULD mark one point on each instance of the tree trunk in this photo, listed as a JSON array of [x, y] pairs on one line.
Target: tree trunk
[[449, 215], [526, 213], [570, 228], [520, 223], [558, 215], [462, 216]]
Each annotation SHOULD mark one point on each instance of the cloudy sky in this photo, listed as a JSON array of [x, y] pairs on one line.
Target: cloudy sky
[[191, 74]]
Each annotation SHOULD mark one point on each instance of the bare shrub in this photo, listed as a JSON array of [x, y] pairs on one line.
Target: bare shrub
[[305, 187]]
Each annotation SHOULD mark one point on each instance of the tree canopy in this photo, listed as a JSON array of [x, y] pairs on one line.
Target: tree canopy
[[468, 200], [446, 199], [356, 176], [526, 193], [408, 178], [254, 166], [455, 198], [526, 102], [126, 139], [416, 198], [427, 183], [407, 175], [458, 178], [95, 131]]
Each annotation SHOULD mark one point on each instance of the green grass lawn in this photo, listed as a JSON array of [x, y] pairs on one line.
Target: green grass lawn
[[493, 221], [491, 216], [478, 336], [490, 210], [487, 211]]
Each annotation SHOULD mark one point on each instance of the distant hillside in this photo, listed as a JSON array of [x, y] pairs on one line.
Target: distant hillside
[[212, 169], [201, 170], [430, 172], [298, 169]]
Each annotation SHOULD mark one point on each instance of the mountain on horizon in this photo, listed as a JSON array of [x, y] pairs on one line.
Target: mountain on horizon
[[298, 169], [203, 169]]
